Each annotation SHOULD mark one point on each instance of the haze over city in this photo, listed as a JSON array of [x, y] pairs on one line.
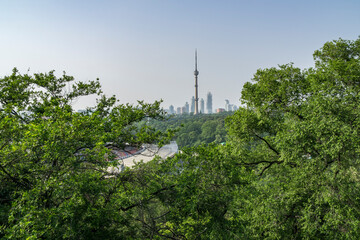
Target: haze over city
[[144, 50]]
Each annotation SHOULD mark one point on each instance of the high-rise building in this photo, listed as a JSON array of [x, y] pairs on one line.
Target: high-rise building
[[186, 107], [228, 106], [171, 109], [196, 73], [209, 102], [183, 110], [192, 108], [202, 106], [178, 110]]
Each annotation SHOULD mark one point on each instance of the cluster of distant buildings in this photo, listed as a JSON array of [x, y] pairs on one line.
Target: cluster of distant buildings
[[208, 109], [228, 107], [194, 107]]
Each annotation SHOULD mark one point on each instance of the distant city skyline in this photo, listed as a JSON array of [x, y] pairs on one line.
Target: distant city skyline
[[227, 107], [144, 50]]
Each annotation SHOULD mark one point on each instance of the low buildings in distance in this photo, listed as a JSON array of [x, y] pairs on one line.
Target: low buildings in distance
[[190, 109]]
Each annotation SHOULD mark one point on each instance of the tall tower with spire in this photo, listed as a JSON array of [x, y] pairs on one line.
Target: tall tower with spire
[[196, 73]]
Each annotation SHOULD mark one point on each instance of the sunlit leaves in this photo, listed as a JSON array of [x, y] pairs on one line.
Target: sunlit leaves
[[299, 132], [53, 161]]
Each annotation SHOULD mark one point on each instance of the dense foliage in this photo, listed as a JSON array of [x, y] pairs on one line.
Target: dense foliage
[[194, 130], [289, 170], [300, 134], [53, 178]]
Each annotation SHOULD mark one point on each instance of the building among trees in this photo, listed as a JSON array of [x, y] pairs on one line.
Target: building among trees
[[202, 106], [230, 107], [209, 102], [171, 109], [186, 107], [192, 108]]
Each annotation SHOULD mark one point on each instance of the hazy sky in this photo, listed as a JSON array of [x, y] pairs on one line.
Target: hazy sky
[[144, 49]]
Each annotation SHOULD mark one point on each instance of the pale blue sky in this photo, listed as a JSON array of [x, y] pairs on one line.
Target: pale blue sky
[[144, 49]]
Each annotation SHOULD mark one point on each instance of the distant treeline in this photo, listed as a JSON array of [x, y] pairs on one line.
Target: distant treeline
[[193, 130]]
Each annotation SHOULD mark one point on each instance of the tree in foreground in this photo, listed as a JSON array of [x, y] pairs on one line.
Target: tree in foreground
[[299, 132], [290, 169], [53, 161]]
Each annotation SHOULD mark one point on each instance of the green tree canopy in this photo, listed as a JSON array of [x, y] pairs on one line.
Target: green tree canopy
[[53, 178], [289, 170], [299, 132], [194, 130]]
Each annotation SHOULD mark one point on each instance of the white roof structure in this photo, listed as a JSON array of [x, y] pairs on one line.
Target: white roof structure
[[147, 154]]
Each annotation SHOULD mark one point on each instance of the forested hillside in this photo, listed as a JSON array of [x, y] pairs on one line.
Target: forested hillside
[[193, 130], [290, 168]]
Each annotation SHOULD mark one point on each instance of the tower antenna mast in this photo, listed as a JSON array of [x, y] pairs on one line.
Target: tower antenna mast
[[196, 73]]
